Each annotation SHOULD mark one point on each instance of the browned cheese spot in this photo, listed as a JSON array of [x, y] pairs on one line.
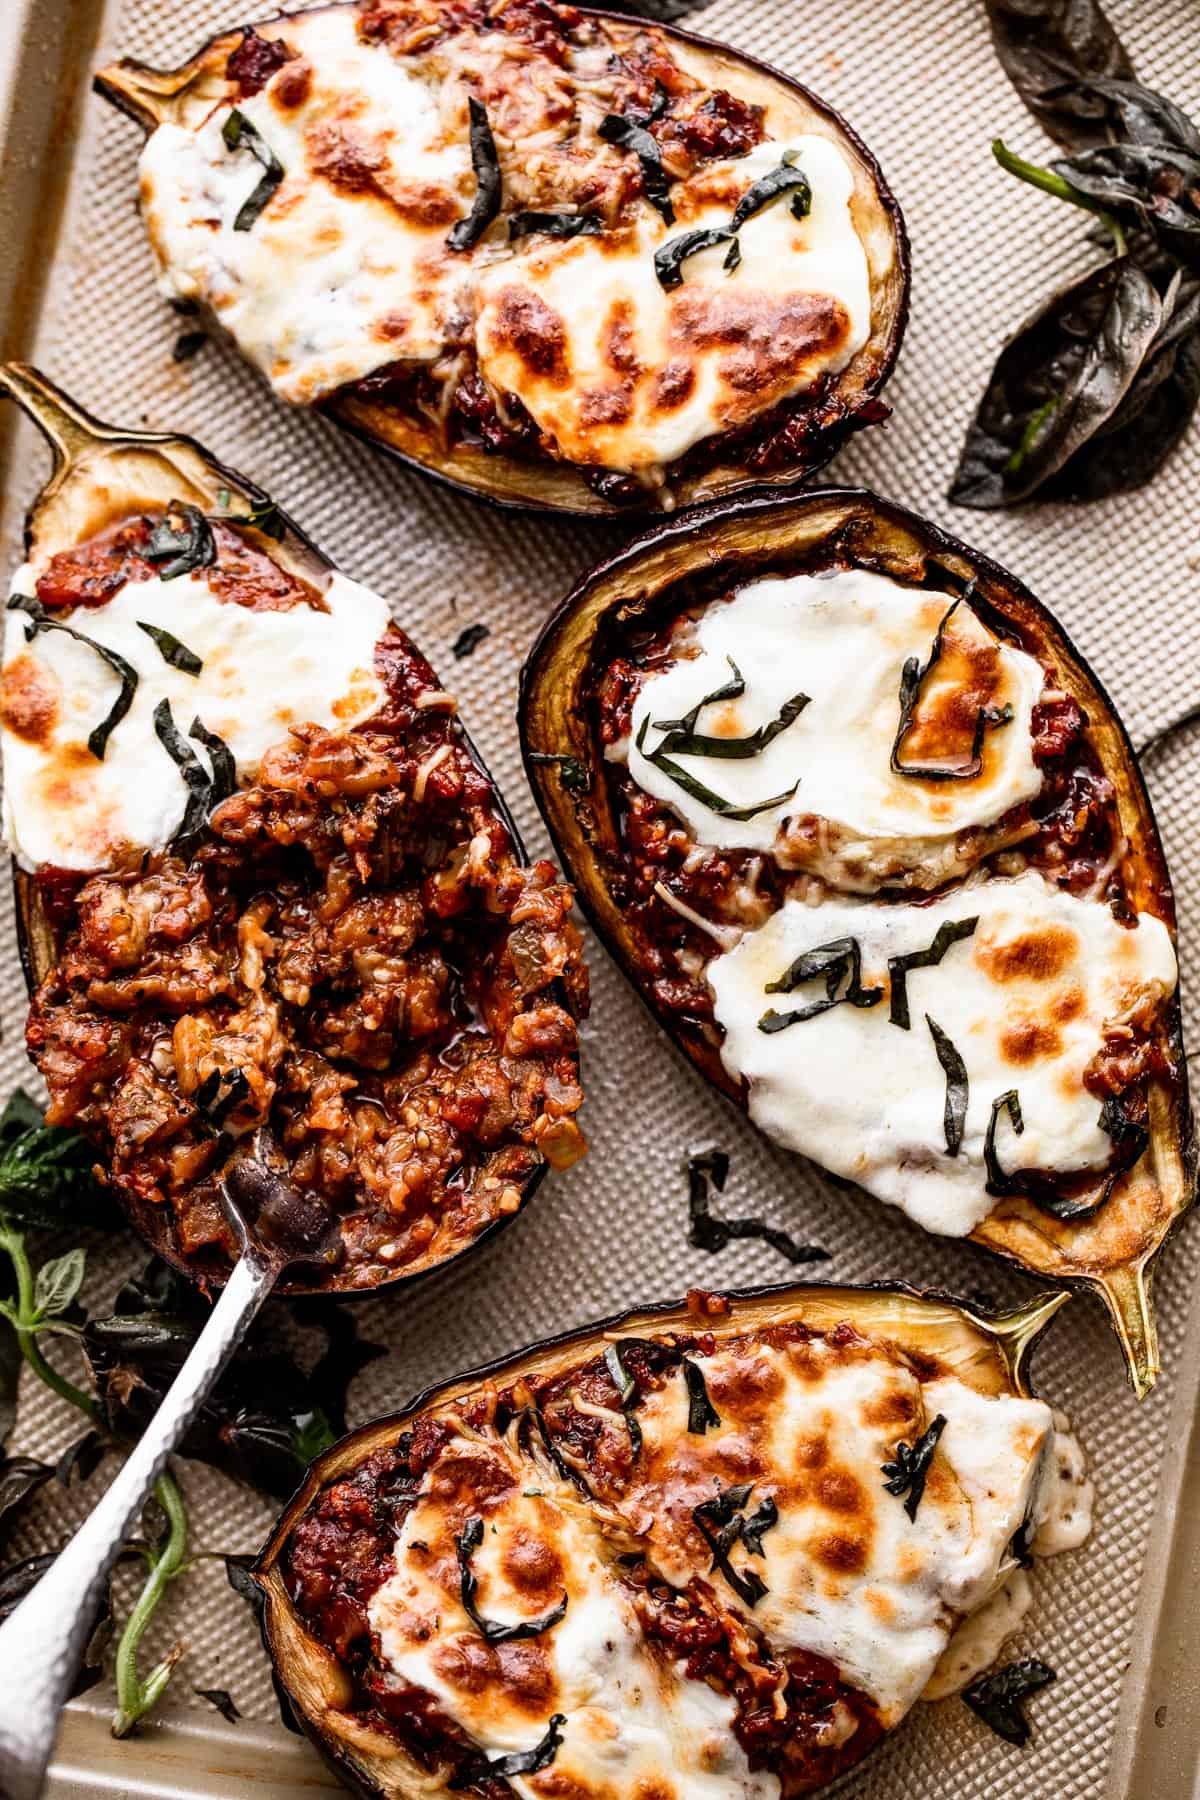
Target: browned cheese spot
[[763, 337], [533, 1566], [28, 700], [535, 334], [293, 84], [1034, 956], [1028, 1039], [348, 162], [520, 1671]]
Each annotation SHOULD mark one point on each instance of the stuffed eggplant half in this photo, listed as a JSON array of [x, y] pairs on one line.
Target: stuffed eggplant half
[[562, 259], [711, 1552], [860, 824], [273, 905]]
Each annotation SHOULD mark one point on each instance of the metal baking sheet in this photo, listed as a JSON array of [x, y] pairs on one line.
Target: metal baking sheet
[[1120, 1620]]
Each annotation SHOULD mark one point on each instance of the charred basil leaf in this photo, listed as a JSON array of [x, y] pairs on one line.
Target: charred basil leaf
[[682, 738], [465, 1546], [469, 640], [554, 224], [39, 621], [1052, 51], [707, 1232], [670, 257], [957, 1087], [1157, 184], [81, 1459], [181, 541], [219, 1093], [20, 1476], [1051, 1194], [195, 775], [910, 1471], [170, 648], [952, 932], [224, 768], [721, 1523], [571, 773], [222, 1700], [912, 680], [786, 179], [839, 961], [239, 134], [701, 1411], [697, 789], [998, 1699], [997, 1181], [629, 133], [488, 185], [627, 1393], [518, 1762]]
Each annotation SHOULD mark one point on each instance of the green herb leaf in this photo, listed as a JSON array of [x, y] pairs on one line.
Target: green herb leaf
[[571, 773], [787, 178], [912, 680], [957, 1087], [698, 790], [223, 1702], [239, 134], [952, 932], [998, 1698], [708, 1232], [465, 1546], [701, 1411], [312, 1435], [554, 224], [41, 620], [997, 1181], [627, 1393], [182, 541], [670, 257], [1052, 51], [224, 768], [682, 738], [910, 1471], [469, 640], [488, 186], [173, 652], [629, 133], [58, 1282], [46, 1173], [839, 961], [195, 775], [722, 1524], [524, 1762]]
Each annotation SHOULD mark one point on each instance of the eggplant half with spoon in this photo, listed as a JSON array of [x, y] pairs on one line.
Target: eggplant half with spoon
[[865, 832], [710, 1552], [272, 908], [561, 259]]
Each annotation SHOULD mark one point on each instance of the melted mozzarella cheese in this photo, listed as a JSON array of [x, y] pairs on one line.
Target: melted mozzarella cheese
[[330, 282], [624, 373], [843, 639], [262, 673], [634, 1723], [849, 1576], [978, 1641], [1024, 1001]]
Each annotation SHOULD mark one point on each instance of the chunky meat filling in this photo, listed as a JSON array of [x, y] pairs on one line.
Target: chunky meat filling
[[353, 957]]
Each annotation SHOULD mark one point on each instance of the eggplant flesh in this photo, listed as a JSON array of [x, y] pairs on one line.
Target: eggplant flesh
[[102, 478], [804, 431], [336, 1679], [683, 564]]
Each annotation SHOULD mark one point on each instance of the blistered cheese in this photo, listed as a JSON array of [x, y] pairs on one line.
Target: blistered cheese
[[262, 672], [624, 373], [1024, 1000], [843, 640], [347, 268]]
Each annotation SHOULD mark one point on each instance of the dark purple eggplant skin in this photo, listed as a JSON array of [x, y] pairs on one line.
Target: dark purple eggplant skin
[[749, 481], [1007, 605]]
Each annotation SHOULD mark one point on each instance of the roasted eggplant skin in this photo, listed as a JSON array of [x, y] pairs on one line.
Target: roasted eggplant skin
[[989, 1353], [1112, 1253], [152, 96], [102, 474]]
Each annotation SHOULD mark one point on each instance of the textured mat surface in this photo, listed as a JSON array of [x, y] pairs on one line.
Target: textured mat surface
[[919, 81]]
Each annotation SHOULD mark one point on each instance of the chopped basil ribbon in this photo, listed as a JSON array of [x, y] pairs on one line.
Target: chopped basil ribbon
[[571, 773], [263, 516], [707, 1232], [722, 1524], [170, 648], [701, 1411], [838, 961], [183, 546], [954, 1115], [629, 133], [465, 1547], [912, 680], [952, 932], [1129, 1138], [194, 773], [39, 621], [215, 1099], [224, 768], [697, 789], [239, 134], [626, 1388], [997, 1698], [785, 179], [554, 224], [908, 1474], [523, 1762], [682, 738], [670, 257], [486, 164]]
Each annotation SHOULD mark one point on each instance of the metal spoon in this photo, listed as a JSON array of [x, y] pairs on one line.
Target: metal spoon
[[42, 1643]]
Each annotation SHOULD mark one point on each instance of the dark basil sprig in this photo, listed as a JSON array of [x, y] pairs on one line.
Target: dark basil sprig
[[701, 1411], [39, 621], [721, 1523], [909, 1472], [708, 1232], [998, 1698], [953, 931], [1054, 1194], [571, 773], [488, 186], [958, 1090], [1052, 51], [838, 962], [170, 648], [629, 133], [181, 541], [554, 224], [239, 134], [465, 1546]]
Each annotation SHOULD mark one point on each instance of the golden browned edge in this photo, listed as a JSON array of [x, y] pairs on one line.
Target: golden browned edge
[[101, 475], [989, 1355], [1113, 1252], [187, 94]]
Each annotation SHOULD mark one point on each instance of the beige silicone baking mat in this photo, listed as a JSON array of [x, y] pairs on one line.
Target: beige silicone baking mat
[[919, 81]]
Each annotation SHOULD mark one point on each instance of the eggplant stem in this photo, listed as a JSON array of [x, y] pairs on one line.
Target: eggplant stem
[[1126, 1293], [1017, 1332], [68, 429]]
